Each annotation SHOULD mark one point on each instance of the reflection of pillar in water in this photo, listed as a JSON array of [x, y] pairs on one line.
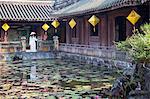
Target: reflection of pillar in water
[[25, 76], [33, 73]]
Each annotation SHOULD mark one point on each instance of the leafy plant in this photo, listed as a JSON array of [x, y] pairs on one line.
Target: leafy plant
[[138, 45]]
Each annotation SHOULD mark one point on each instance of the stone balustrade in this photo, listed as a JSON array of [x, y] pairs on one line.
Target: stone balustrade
[[16, 46], [10, 47], [44, 45], [96, 51]]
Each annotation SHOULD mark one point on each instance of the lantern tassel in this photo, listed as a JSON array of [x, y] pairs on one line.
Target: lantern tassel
[[55, 30], [94, 29], [134, 30]]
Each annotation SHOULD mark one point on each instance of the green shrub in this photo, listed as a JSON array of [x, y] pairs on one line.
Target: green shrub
[[138, 45]]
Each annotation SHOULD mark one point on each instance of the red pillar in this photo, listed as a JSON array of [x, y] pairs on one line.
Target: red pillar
[[82, 30], [104, 31], [68, 34], [5, 36], [86, 31]]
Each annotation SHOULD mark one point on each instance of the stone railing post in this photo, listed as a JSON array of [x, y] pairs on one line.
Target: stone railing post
[[23, 43], [39, 45], [56, 43]]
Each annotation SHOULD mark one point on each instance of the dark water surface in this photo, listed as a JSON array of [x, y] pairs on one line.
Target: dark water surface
[[44, 79]]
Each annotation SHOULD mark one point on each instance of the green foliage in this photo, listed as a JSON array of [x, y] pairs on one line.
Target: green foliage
[[138, 45]]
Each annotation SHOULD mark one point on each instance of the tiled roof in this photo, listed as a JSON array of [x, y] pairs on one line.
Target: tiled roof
[[59, 4], [84, 6], [29, 0], [25, 11]]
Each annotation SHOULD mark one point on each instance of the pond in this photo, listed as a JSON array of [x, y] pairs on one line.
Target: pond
[[55, 79]]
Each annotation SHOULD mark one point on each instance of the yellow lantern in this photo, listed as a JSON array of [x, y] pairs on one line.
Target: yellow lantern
[[72, 23], [94, 21], [133, 17], [45, 27], [5, 27], [55, 23]]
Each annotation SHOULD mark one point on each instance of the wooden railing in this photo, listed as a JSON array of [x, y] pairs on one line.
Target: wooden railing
[[10, 47], [97, 51]]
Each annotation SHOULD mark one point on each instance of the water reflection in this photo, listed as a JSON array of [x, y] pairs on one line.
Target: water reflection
[[44, 78], [33, 74]]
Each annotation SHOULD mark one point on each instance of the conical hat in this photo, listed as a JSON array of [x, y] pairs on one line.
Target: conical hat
[[32, 33]]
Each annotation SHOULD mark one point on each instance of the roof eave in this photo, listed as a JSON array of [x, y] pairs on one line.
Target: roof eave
[[6, 19], [95, 10]]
